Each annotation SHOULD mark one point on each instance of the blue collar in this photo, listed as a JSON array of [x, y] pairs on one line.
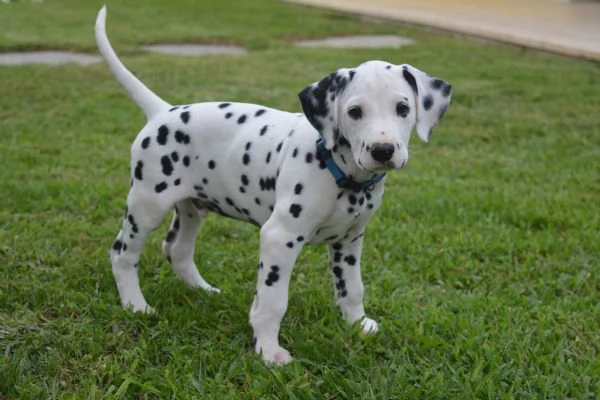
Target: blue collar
[[340, 177]]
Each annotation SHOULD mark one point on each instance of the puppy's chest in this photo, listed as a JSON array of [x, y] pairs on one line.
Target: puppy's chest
[[351, 213]]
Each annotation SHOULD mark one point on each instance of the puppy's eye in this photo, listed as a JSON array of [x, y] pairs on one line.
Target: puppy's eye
[[355, 112], [402, 109]]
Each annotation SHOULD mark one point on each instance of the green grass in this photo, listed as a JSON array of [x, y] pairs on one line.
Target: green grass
[[482, 265]]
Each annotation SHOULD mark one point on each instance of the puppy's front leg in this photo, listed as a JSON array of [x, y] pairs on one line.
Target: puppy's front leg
[[279, 248], [344, 257]]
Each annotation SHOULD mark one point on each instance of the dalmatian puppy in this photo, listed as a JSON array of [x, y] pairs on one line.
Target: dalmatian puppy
[[311, 177]]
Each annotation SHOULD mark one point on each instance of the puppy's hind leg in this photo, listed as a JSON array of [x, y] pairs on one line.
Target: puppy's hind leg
[[180, 243], [141, 217]]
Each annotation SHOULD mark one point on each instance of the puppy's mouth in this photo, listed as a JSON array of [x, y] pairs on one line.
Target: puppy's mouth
[[386, 166]]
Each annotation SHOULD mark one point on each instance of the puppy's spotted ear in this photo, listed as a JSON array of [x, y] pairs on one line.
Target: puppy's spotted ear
[[319, 103], [433, 97]]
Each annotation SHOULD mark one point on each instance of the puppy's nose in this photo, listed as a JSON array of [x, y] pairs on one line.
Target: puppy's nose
[[382, 152]]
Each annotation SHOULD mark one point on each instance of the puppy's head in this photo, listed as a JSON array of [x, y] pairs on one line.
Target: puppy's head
[[373, 108]]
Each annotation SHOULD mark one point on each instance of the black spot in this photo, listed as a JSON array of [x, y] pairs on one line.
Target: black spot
[[167, 166], [171, 235], [182, 137], [245, 211], [337, 271], [246, 159], [160, 187], [350, 210], [358, 237], [295, 152], [204, 180], [124, 246], [337, 246], [228, 115], [337, 256], [267, 183], [244, 180], [309, 157], [352, 199], [117, 245], [447, 90], [437, 84], [388, 67], [350, 260], [211, 164], [186, 161], [278, 149], [295, 210], [224, 105], [248, 145], [134, 226], [185, 116], [300, 238], [290, 244], [361, 200], [351, 74], [174, 108], [229, 201], [241, 119], [163, 132], [268, 157], [260, 112], [343, 141], [298, 188], [138, 171], [341, 284], [242, 189], [175, 156], [427, 102], [145, 143], [273, 275], [410, 79], [263, 130], [257, 201], [177, 182], [254, 343]]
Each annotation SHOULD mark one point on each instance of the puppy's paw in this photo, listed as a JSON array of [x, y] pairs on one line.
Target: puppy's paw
[[211, 289], [140, 308], [369, 326], [276, 356]]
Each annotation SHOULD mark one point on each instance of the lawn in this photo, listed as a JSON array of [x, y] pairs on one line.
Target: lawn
[[482, 266]]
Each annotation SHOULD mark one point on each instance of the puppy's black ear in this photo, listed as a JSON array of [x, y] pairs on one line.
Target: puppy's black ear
[[319, 103], [433, 97]]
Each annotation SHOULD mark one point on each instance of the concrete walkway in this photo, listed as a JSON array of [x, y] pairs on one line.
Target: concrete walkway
[[568, 28]]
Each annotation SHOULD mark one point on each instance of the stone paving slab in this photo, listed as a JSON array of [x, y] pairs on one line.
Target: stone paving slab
[[189, 49], [47, 57], [366, 41]]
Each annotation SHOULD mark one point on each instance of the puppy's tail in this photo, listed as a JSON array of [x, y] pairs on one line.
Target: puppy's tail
[[145, 98]]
